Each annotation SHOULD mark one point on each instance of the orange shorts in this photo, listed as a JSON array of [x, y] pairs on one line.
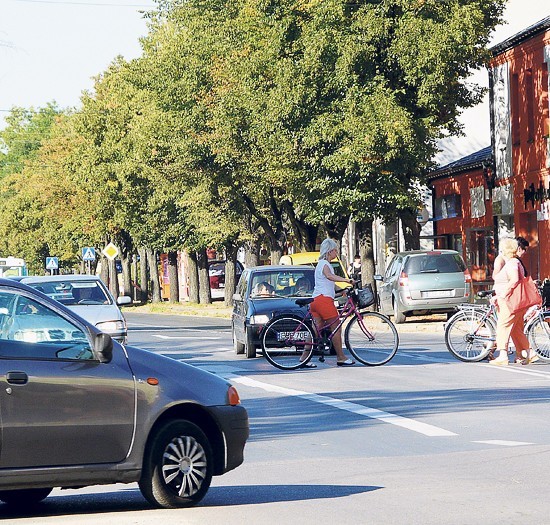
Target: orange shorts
[[323, 307]]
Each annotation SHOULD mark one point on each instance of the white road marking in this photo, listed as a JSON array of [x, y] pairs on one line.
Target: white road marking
[[504, 443], [373, 413], [517, 370], [201, 337]]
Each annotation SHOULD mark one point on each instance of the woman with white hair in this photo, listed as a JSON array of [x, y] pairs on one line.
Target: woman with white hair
[[322, 308]]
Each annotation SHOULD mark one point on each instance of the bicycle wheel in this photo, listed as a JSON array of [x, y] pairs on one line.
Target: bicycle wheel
[[470, 336], [287, 342], [539, 336], [372, 340]]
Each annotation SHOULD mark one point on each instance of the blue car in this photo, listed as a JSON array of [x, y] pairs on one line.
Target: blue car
[[262, 292]]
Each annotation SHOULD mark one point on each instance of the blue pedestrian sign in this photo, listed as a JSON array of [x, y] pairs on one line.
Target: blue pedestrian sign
[[88, 254], [52, 263]]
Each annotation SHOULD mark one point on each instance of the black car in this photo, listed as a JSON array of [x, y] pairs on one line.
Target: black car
[[262, 292]]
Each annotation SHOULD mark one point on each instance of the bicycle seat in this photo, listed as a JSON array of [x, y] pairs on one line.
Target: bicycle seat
[[485, 293], [304, 301]]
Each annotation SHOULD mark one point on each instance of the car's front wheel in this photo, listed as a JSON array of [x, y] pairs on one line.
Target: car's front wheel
[[178, 466], [237, 346], [24, 497], [250, 348]]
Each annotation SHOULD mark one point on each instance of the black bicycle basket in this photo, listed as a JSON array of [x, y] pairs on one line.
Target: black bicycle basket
[[364, 296]]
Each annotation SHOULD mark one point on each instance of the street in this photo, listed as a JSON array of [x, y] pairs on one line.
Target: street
[[424, 439]]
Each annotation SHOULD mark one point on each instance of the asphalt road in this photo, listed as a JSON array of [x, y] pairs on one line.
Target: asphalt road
[[425, 439]]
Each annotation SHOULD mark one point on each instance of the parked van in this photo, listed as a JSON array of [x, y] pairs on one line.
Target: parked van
[[311, 259]]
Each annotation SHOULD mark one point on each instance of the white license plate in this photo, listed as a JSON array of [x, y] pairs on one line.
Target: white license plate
[[435, 294], [292, 336]]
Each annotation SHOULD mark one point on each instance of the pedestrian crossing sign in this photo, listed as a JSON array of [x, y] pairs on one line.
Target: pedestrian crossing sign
[[88, 254], [52, 263]]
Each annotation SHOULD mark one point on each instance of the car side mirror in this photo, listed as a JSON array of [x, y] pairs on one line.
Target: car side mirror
[[124, 299], [237, 297], [103, 346], [377, 277]]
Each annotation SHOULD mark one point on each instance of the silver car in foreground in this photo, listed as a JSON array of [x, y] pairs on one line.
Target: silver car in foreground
[[79, 409], [88, 297]]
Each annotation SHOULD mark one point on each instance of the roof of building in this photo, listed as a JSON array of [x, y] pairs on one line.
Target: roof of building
[[471, 161], [529, 32]]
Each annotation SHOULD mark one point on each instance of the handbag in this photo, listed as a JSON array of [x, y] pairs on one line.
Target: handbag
[[524, 295]]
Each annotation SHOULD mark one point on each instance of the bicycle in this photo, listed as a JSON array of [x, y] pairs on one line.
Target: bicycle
[[470, 334], [289, 340]]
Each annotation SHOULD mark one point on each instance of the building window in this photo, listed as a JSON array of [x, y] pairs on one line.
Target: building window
[[447, 207]]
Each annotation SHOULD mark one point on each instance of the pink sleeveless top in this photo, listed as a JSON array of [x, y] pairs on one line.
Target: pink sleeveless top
[[507, 275]]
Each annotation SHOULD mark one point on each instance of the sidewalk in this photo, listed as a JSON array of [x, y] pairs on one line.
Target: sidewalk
[[424, 323]]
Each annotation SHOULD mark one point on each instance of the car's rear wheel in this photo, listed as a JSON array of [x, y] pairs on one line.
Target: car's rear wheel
[[24, 497], [398, 315], [178, 466], [249, 348]]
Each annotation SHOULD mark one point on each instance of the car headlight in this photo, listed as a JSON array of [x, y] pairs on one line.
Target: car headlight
[[112, 326], [259, 319]]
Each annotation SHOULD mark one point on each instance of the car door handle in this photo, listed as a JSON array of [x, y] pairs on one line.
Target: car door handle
[[17, 378]]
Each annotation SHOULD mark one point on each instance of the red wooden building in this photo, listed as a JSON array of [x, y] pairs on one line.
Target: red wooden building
[[504, 190]]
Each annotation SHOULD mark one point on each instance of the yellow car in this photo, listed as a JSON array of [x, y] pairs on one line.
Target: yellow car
[[311, 259]]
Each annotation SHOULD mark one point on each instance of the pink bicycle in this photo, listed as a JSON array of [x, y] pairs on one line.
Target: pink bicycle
[[289, 341]]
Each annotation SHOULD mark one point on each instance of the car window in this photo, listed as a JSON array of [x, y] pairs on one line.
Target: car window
[[243, 284], [393, 267], [74, 292], [432, 263], [30, 329], [282, 283]]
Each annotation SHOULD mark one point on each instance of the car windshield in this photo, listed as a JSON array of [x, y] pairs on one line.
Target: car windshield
[[287, 283], [434, 263], [74, 292]]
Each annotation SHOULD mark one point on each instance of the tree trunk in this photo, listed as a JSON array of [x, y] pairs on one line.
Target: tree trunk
[[154, 275], [230, 273], [143, 275], [135, 290], [335, 229], [366, 251], [173, 277], [276, 255], [126, 276], [104, 273], [252, 253], [193, 277], [411, 229], [205, 296]]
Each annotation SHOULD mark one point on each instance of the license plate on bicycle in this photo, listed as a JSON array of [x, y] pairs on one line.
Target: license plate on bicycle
[[292, 336]]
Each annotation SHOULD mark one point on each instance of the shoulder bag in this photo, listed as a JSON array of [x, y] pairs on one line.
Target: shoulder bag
[[525, 294]]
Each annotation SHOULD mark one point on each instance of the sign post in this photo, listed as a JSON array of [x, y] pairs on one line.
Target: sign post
[[88, 255]]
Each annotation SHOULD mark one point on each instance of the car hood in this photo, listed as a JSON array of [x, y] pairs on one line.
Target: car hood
[[272, 305], [177, 379], [95, 314]]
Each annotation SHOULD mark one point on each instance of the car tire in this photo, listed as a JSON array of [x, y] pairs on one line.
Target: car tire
[[249, 349], [25, 497], [237, 346], [177, 467], [398, 315]]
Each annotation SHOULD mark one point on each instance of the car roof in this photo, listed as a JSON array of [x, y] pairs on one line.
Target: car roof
[[425, 252], [59, 278], [280, 268]]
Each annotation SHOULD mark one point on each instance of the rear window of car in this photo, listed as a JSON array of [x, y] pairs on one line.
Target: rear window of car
[[432, 263]]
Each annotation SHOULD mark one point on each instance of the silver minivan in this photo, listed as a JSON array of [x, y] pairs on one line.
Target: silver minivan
[[423, 282]]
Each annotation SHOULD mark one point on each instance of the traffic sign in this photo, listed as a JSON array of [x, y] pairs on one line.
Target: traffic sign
[[52, 263], [88, 254], [110, 251]]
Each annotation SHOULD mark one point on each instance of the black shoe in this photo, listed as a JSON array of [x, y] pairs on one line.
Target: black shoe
[[308, 365], [347, 362]]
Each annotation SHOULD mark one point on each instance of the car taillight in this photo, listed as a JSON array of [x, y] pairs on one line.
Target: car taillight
[[233, 396], [467, 280], [403, 279]]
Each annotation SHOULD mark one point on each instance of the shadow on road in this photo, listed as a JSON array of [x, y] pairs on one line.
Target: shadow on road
[[131, 500]]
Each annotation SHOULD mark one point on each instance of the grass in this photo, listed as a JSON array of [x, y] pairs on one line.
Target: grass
[[216, 309]]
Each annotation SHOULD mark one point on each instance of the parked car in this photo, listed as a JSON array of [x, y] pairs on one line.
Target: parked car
[[88, 297], [79, 409], [216, 273], [311, 259], [263, 291], [422, 282]]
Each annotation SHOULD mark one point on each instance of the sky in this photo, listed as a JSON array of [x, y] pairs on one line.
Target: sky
[[50, 50]]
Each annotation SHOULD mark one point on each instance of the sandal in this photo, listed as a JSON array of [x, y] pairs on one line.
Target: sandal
[[499, 362], [308, 365], [528, 360], [347, 362]]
